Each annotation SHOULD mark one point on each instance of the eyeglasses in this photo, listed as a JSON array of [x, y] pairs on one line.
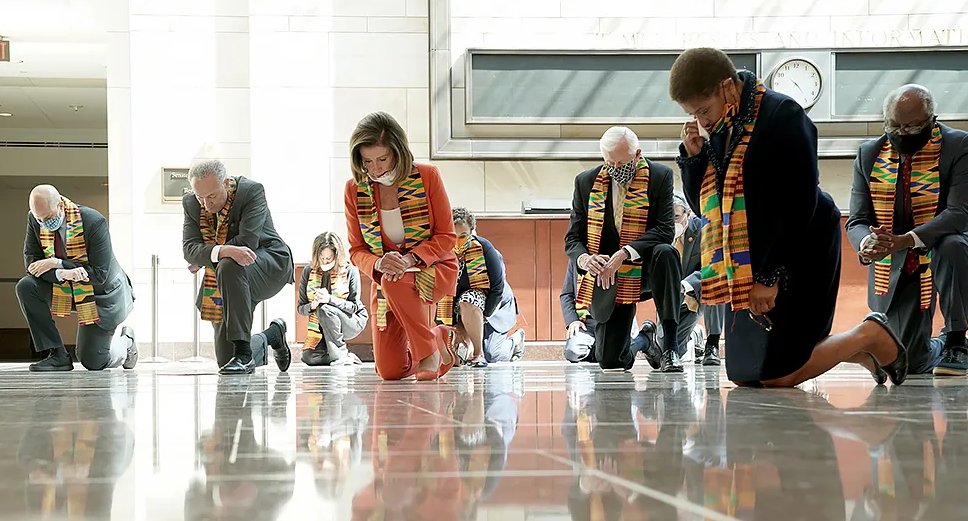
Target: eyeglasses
[[906, 130], [762, 321]]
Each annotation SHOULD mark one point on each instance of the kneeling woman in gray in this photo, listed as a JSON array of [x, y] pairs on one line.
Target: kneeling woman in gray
[[329, 294]]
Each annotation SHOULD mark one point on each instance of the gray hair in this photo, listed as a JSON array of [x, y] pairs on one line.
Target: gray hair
[[906, 91], [614, 136], [206, 168]]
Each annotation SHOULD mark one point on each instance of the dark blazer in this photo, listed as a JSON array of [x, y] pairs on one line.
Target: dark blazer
[[778, 204], [250, 224], [660, 228], [692, 255], [113, 293], [351, 305], [500, 308], [569, 291], [952, 212]]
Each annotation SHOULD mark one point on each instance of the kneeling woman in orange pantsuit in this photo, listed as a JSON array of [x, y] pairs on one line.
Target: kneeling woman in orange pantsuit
[[401, 235]]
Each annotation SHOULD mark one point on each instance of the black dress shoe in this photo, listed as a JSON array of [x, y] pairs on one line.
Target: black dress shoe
[[280, 347], [898, 369], [132, 358], [235, 366], [653, 354], [58, 362], [710, 356], [670, 362]]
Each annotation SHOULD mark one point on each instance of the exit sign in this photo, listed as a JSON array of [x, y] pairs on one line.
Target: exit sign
[[4, 50]]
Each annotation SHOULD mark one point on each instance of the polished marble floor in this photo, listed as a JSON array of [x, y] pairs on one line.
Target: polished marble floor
[[535, 441]]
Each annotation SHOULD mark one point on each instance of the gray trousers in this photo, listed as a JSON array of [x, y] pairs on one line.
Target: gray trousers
[[498, 347], [949, 265], [337, 327], [97, 347], [242, 288]]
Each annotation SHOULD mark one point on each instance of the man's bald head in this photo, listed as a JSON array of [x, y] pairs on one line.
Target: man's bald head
[[44, 202]]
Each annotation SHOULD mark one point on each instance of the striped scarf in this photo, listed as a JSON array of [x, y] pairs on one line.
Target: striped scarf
[[925, 189], [215, 230], [340, 288], [727, 273], [471, 259], [67, 293], [634, 221], [415, 211]]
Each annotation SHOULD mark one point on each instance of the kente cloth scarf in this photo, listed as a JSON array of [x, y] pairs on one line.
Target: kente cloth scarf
[[215, 231], [925, 190], [471, 259], [66, 293], [415, 211], [634, 220], [727, 273], [339, 288]]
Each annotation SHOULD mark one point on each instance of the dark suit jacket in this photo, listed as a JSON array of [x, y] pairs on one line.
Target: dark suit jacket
[[952, 212], [692, 255], [660, 228], [250, 224], [784, 204], [113, 293], [500, 308]]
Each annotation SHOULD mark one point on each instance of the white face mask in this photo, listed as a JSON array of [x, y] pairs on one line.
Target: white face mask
[[680, 229], [385, 179], [327, 267]]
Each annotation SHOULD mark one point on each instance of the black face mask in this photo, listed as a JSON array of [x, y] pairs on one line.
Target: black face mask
[[910, 144]]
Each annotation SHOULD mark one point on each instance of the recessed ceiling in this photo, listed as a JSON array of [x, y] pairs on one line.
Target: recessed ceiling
[[58, 57]]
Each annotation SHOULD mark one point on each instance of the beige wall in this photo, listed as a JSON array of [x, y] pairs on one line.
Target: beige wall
[[275, 87]]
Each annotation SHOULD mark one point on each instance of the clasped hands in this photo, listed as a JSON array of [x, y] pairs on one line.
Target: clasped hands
[[882, 242], [604, 267], [39, 268], [393, 265]]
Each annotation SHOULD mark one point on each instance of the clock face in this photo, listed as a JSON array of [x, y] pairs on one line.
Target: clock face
[[798, 79]]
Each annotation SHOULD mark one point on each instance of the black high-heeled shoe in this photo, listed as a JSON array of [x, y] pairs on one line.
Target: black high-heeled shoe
[[898, 369]]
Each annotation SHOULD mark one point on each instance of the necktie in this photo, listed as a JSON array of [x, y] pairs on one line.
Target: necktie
[[912, 260], [59, 250]]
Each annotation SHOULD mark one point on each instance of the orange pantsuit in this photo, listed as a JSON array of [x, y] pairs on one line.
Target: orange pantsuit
[[408, 336]]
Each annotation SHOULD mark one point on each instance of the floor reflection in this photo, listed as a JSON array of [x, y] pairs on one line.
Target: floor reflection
[[532, 441]]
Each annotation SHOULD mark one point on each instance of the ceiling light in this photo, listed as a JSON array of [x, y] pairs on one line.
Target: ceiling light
[[5, 114]]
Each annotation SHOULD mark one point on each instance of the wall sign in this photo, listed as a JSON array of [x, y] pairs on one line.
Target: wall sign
[[174, 183]]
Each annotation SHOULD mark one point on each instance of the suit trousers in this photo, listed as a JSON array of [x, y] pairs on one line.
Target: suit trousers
[[242, 288], [949, 265], [408, 336], [663, 273], [97, 347]]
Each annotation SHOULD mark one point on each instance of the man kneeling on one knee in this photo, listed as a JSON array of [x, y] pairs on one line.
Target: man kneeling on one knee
[[228, 231], [71, 266]]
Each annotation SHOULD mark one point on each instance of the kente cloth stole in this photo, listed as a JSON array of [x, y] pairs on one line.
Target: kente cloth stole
[[415, 211], [635, 217], [471, 259], [215, 231], [340, 288], [65, 293], [727, 272], [925, 190]]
